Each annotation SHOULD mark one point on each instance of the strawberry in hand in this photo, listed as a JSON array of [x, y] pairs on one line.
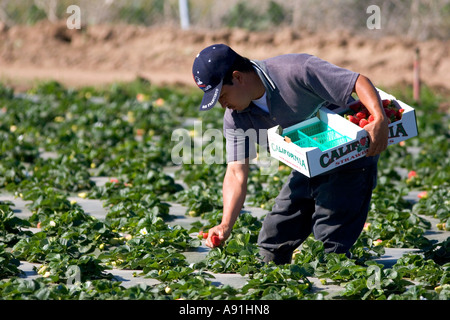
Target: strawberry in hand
[[215, 241]]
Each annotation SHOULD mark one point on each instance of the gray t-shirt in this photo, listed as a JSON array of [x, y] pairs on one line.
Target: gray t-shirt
[[296, 85]]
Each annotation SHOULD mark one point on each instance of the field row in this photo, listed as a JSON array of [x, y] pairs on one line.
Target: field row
[[58, 144]]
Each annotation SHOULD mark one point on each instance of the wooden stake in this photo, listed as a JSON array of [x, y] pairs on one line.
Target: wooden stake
[[416, 80]]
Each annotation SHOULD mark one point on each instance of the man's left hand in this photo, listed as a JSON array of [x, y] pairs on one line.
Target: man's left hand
[[378, 134]]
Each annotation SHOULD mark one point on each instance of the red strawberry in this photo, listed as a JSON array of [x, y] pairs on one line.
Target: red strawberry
[[394, 117], [411, 174], [205, 235], [371, 118], [363, 141], [388, 112], [361, 115], [215, 241], [391, 114], [364, 110], [423, 195], [353, 119], [355, 106], [386, 102], [363, 123]]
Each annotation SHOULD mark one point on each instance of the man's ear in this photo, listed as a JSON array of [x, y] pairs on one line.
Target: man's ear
[[237, 75]]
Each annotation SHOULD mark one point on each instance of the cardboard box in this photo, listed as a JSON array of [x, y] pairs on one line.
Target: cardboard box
[[328, 140]]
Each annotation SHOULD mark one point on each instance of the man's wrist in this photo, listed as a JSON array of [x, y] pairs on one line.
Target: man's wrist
[[225, 226], [226, 229]]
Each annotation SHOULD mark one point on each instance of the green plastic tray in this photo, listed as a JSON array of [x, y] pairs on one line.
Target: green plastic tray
[[318, 135]]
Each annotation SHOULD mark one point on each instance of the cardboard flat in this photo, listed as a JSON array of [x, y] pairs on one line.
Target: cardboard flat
[[312, 161]]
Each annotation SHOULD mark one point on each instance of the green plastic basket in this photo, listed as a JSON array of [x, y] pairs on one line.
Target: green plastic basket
[[293, 135], [334, 143], [318, 135], [326, 136], [314, 128], [307, 143]]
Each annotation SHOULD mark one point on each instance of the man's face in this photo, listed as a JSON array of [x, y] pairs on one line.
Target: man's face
[[235, 97]]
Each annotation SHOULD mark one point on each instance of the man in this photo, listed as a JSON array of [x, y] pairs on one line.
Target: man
[[285, 90]]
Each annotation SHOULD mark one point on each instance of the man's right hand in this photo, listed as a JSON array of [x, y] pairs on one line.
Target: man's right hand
[[234, 191], [221, 231]]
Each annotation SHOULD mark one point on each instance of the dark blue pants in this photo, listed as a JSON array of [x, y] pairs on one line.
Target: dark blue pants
[[332, 206]]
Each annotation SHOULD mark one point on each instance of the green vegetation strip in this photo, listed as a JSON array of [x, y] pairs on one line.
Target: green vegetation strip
[[124, 131]]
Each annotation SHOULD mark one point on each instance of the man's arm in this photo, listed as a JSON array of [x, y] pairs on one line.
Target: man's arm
[[378, 129], [234, 191]]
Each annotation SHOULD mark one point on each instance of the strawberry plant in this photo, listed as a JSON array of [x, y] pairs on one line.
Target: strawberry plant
[[435, 203], [54, 141], [277, 283], [11, 227], [199, 200], [238, 255], [385, 283], [8, 264]]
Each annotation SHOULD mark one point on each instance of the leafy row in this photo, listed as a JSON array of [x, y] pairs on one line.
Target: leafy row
[[118, 133]]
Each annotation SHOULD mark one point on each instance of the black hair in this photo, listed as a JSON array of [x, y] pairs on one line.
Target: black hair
[[241, 64]]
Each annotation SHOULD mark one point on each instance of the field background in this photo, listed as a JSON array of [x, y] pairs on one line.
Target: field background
[[123, 39], [93, 207]]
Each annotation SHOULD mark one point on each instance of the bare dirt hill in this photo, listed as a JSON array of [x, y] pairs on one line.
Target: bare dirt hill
[[101, 54]]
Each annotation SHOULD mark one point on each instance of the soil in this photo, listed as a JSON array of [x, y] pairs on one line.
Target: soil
[[101, 54]]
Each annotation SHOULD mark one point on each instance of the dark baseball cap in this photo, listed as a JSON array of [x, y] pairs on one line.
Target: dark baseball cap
[[209, 69]]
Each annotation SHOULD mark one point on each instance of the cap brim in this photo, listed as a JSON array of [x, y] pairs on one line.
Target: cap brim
[[211, 97]]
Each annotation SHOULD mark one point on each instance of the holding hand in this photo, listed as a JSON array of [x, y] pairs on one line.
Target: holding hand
[[217, 235], [378, 134], [378, 129]]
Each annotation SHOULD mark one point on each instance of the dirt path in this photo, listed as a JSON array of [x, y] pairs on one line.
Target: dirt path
[[103, 54]]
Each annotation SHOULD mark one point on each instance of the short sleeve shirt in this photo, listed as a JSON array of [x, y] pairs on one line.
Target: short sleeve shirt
[[296, 86]]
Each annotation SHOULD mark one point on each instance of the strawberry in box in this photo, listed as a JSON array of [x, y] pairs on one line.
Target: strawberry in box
[[359, 115]]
